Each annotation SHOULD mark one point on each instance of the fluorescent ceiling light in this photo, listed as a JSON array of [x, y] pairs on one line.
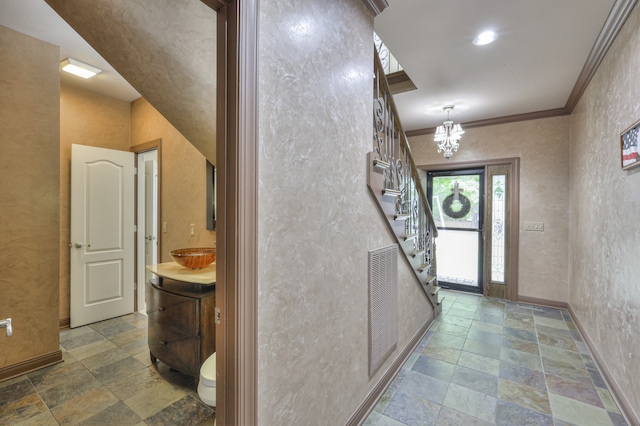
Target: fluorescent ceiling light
[[79, 68], [485, 38]]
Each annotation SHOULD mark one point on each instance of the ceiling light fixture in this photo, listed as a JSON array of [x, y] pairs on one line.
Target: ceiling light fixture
[[79, 68], [485, 37], [448, 135]]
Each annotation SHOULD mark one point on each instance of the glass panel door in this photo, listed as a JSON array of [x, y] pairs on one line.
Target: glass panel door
[[497, 247], [457, 203]]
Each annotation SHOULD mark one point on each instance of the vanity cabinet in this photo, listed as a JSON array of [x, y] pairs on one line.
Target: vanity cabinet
[[181, 323]]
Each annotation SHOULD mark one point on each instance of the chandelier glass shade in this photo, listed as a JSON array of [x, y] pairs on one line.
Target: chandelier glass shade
[[448, 135]]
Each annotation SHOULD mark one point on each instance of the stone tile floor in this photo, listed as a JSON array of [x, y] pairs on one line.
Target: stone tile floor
[[106, 379], [492, 362]]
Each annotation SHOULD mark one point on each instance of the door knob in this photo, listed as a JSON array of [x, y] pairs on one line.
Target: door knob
[[80, 245]]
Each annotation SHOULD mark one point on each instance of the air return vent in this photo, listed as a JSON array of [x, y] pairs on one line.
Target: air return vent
[[383, 305]]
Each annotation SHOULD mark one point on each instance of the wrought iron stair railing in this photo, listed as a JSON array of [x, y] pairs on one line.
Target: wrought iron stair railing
[[396, 184]]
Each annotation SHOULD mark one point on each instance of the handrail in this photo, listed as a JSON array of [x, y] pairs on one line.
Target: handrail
[[394, 181], [381, 86], [389, 63]]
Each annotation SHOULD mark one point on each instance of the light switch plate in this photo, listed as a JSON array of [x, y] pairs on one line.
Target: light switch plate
[[534, 226]]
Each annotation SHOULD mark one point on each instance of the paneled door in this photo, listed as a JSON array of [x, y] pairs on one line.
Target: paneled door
[[457, 203], [102, 234]]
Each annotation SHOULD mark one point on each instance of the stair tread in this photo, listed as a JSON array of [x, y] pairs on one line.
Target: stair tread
[[391, 192], [379, 164]]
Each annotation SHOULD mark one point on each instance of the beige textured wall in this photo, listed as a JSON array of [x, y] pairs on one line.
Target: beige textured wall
[[86, 118], [166, 49], [604, 271], [183, 179], [543, 148], [29, 196], [317, 221]]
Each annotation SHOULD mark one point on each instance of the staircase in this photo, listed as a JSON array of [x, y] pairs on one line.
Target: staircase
[[395, 183]]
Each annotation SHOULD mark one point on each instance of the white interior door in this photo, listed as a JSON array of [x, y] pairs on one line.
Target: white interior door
[[148, 241], [102, 234], [151, 210]]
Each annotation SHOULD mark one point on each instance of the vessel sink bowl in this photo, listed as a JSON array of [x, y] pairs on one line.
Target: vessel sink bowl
[[194, 258]]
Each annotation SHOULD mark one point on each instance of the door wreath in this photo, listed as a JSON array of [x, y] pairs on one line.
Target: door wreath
[[464, 210]]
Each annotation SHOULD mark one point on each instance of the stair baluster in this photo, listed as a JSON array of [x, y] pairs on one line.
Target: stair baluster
[[394, 181]]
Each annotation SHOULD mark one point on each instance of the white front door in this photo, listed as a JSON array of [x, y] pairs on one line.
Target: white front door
[[102, 234]]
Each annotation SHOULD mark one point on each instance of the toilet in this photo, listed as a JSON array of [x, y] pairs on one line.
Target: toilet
[[207, 383]]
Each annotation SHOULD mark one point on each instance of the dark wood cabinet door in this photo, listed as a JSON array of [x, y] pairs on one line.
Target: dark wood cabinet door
[[173, 313], [181, 325]]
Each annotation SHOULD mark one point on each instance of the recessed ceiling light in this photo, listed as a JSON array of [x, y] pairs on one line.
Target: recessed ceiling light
[[79, 68], [485, 38]]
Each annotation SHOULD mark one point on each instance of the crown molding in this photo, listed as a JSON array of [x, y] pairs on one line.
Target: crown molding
[[498, 120], [376, 6], [612, 26]]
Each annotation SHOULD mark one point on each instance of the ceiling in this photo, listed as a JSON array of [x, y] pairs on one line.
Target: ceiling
[[533, 66], [546, 52], [37, 19]]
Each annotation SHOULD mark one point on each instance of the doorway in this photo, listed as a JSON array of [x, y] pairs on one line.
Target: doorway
[[147, 220], [498, 219], [457, 203]]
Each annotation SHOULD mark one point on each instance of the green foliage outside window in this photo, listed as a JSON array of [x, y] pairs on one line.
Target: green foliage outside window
[[443, 186]]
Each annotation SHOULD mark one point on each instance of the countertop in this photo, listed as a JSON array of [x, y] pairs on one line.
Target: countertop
[[171, 270]]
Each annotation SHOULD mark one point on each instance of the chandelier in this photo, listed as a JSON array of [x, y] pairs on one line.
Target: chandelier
[[448, 135]]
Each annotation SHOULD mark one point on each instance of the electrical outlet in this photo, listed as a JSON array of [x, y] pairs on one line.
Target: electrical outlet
[[193, 229], [534, 226]]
